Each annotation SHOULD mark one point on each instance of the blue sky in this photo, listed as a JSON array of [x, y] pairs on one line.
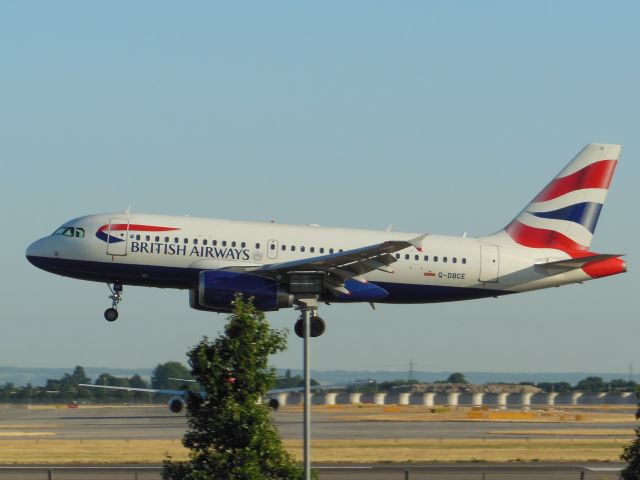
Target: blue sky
[[438, 117]]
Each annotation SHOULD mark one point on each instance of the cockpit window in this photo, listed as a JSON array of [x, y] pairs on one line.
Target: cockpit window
[[76, 232]]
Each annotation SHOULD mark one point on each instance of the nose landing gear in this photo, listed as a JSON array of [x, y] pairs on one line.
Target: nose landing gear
[[111, 314]]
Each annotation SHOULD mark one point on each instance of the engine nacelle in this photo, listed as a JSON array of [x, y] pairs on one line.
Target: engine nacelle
[[176, 404], [274, 404], [217, 289]]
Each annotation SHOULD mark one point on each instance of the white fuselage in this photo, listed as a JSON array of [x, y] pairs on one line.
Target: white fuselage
[[447, 268]]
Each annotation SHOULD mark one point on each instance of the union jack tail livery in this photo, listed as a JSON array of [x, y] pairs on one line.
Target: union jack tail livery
[[564, 214]]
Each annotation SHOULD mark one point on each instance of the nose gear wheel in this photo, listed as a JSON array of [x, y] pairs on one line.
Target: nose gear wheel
[[111, 314]]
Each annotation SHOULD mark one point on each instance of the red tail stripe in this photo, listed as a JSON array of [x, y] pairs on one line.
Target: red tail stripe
[[541, 238], [596, 175]]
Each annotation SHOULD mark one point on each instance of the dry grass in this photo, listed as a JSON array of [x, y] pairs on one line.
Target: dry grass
[[571, 432], [416, 413], [50, 451], [54, 451]]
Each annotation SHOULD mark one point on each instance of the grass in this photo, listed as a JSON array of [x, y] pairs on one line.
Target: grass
[[56, 451]]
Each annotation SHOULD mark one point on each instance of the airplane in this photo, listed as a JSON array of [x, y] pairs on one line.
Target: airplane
[[281, 266], [178, 398]]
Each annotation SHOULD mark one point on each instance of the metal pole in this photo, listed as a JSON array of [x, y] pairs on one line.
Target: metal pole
[[306, 320]]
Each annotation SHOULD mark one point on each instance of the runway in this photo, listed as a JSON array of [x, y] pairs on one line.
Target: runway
[[155, 422]]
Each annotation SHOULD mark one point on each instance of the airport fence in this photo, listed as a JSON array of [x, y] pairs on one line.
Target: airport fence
[[390, 472]]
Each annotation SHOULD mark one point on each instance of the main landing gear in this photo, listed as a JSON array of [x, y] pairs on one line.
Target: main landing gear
[[316, 327], [111, 314]]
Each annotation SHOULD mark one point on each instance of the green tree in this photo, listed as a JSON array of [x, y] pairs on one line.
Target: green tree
[[164, 372], [631, 455], [456, 378], [592, 384], [231, 434]]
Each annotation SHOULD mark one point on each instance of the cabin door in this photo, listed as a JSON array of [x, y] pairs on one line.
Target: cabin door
[[117, 235], [489, 263]]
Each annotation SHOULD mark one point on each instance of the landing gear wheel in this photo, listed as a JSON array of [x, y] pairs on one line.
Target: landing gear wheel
[[110, 314], [316, 328], [298, 328]]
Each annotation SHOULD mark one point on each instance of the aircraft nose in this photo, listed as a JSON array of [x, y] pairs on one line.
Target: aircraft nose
[[36, 252]]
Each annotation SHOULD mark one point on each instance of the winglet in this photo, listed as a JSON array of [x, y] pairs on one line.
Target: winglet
[[417, 241]]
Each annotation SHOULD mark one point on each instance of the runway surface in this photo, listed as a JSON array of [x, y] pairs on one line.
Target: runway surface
[[155, 422]]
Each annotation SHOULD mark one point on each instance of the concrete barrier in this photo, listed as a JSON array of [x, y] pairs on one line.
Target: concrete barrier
[[500, 400]]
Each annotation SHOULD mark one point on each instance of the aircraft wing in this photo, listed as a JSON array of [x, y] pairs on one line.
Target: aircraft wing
[[135, 389], [273, 391], [346, 265]]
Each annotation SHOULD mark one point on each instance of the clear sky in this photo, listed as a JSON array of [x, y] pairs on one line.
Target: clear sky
[[433, 116]]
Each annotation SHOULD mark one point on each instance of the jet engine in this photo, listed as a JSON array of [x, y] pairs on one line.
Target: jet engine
[[217, 289], [176, 404]]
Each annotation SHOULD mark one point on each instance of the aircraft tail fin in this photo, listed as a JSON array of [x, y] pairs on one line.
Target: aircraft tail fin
[[565, 213]]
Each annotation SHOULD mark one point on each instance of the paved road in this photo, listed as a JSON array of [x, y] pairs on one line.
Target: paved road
[[534, 471]]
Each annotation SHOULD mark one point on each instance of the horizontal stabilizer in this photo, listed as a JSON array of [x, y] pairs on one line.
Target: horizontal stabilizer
[[573, 263]]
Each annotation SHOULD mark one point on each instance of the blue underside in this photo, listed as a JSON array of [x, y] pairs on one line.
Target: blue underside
[[184, 278]]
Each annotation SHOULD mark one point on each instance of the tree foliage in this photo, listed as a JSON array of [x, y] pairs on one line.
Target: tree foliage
[[457, 377], [164, 373], [631, 455], [231, 434]]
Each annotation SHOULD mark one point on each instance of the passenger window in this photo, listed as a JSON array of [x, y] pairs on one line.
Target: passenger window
[[224, 243], [293, 248], [242, 245], [397, 256], [464, 260], [272, 246], [137, 237], [435, 259], [454, 260], [406, 256], [321, 249], [214, 242], [176, 240], [147, 238], [312, 249], [233, 244], [426, 258], [331, 250], [195, 241], [416, 258], [258, 246], [284, 247], [302, 249], [444, 259], [166, 239], [186, 240], [157, 238], [205, 241]]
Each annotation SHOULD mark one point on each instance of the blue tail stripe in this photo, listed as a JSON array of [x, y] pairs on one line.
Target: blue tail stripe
[[586, 214]]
